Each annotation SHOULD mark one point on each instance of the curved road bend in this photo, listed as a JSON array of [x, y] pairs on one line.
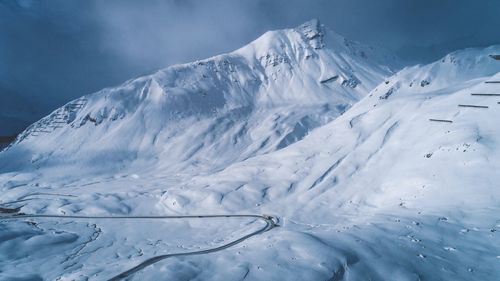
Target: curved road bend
[[270, 221]]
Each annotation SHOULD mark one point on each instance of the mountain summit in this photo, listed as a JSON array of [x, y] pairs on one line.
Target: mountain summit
[[207, 114]]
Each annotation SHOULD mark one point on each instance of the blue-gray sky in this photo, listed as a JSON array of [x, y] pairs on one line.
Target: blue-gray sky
[[52, 51]]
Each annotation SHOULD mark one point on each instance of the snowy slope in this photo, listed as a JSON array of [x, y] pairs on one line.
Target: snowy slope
[[378, 193], [207, 114], [382, 192], [382, 131]]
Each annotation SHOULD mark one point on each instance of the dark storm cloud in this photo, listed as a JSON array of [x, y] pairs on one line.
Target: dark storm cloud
[[55, 50]]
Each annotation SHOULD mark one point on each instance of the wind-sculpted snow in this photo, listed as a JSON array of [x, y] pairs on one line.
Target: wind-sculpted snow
[[378, 192]]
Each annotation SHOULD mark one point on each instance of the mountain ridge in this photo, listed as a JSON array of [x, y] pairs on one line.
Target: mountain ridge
[[290, 74]]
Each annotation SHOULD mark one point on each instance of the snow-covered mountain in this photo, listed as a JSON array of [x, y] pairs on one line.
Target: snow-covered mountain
[[377, 191], [383, 192], [260, 98]]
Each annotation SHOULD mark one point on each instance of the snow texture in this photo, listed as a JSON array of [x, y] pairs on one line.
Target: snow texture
[[302, 124]]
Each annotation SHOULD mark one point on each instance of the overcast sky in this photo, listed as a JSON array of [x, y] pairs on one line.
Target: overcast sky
[[52, 51]]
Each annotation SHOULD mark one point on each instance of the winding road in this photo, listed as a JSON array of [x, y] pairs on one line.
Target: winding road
[[270, 223]]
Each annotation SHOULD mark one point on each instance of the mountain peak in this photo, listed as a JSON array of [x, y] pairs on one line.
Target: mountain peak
[[313, 31], [313, 25], [293, 79]]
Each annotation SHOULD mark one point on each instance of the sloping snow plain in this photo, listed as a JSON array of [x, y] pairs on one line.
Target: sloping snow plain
[[301, 124]]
